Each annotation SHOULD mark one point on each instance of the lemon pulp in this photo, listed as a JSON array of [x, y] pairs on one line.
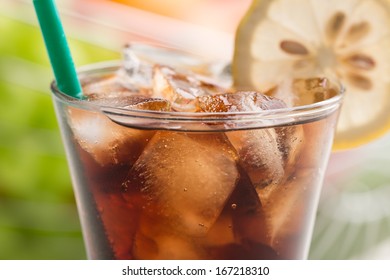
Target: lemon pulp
[[348, 40]]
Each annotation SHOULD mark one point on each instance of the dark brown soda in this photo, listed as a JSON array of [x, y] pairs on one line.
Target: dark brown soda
[[126, 224]]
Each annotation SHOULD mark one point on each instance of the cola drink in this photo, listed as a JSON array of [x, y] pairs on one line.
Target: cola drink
[[169, 161]]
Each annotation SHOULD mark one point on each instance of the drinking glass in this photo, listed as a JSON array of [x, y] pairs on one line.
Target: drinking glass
[[179, 185]]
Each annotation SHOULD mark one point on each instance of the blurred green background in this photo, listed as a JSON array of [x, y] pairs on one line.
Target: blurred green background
[[38, 216]]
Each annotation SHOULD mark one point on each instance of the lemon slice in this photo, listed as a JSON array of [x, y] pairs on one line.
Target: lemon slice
[[347, 39]]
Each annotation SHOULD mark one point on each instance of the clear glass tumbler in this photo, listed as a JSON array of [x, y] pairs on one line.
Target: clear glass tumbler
[[176, 185]]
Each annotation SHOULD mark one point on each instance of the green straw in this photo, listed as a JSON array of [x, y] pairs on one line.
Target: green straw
[[57, 48]]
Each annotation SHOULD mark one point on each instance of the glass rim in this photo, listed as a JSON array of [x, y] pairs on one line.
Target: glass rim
[[248, 119]]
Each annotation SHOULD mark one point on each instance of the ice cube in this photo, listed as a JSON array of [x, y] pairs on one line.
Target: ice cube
[[151, 104], [242, 101], [289, 212], [242, 217], [268, 155], [291, 140], [191, 175], [164, 247], [313, 90], [221, 233], [258, 149], [123, 100], [300, 92], [132, 101], [180, 89], [241, 230], [249, 225], [115, 214], [107, 142], [135, 73], [259, 155], [156, 240], [103, 87], [244, 206]]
